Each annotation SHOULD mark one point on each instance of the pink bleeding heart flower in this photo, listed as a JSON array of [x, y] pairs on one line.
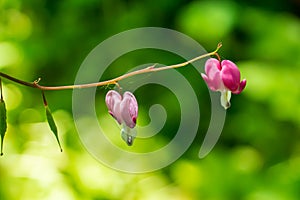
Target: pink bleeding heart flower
[[123, 109], [223, 77]]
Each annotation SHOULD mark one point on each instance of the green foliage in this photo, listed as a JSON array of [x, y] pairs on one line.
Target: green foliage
[[258, 154], [3, 123], [52, 124]]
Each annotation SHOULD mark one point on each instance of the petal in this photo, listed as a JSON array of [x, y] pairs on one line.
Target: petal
[[113, 100], [213, 75], [225, 98], [116, 113], [211, 66], [209, 82], [230, 75], [129, 109], [205, 78], [242, 85]]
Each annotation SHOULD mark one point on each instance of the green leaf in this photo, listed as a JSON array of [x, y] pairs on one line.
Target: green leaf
[[3, 125], [52, 125]]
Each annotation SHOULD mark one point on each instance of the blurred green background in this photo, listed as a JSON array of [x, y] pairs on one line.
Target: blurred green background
[[258, 154]]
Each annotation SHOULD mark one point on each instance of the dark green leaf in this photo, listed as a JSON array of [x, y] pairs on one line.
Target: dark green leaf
[[52, 125], [3, 125]]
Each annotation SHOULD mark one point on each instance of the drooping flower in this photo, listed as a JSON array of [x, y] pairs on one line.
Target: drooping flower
[[223, 77], [125, 111]]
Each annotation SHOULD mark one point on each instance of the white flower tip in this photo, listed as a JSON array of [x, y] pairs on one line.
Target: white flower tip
[[225, 99], [128, 135], [226, 105]]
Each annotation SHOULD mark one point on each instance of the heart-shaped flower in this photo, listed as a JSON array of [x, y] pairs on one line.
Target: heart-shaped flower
[[125, 111], [223, 77]]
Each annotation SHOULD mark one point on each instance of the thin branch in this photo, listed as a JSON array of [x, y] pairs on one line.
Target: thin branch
[[17, 80], [113, 81]]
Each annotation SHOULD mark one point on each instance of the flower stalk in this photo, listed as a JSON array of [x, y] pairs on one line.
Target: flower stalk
[[113, 81]]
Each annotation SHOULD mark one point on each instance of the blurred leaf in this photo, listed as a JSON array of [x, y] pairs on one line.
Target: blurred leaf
[[208, 21]]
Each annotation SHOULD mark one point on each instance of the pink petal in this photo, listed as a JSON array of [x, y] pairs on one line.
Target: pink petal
[[205, 78], [113, 100], [230, 75], [242, 85], [211, 66], [129, 109], [213, 76]]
